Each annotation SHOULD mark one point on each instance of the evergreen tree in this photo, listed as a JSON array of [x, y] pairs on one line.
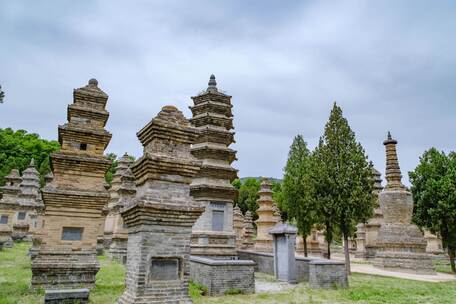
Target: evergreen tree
[[434, 194], [342, 181], [247, 195], [297, 188]]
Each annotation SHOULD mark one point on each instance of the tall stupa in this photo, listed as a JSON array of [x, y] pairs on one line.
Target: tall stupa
[[401, 246]]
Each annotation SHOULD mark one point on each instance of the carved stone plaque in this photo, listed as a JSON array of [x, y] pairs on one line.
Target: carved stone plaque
[[71, 234], [164, 269]]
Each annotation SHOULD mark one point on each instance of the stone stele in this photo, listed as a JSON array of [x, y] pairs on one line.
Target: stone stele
[[161, 217], [74, 200], [400, 244]]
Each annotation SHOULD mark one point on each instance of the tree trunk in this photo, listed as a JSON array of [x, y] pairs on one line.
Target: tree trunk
[[451, 253], [304, 240], [328, 252], [347, 255]]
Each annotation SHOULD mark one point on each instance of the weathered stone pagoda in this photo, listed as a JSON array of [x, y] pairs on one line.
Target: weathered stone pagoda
[[75, 198], [367, 233], [122, 193], [238, 225], [400, 244], [8, 206], [267, 218], [249, 231], [29, 199], [213, 233], [161, 217]]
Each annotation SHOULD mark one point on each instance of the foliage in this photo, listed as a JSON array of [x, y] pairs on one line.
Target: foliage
[[17, 148], [297, 188], [233, 291], [196, 289], [278, 198], [342, 179], [434, 194], [112, 169], [247, 195]]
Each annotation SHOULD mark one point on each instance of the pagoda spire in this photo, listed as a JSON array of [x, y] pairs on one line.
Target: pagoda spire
[[393, 171], [212, 84]]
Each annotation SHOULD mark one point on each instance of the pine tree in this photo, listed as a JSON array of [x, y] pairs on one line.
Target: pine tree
[[297, 192], [342, 179], [434, 194]]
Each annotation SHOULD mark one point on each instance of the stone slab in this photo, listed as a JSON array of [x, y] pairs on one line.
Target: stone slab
[[66, 296]]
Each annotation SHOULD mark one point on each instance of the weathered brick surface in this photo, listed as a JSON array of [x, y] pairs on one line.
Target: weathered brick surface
[[220, 276]]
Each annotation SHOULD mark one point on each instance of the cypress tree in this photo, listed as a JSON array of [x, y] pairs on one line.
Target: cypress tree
[[342, 179]]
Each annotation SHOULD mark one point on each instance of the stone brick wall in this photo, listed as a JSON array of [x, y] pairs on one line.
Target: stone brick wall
[[220, 276]]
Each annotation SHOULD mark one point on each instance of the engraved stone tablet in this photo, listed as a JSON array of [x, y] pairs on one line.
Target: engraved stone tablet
[[71, 234], [217, 220], [4, 219], [164, 269]]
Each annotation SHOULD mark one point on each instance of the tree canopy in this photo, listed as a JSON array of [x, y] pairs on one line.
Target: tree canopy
[[434, 194], [2, 95], [17, 148], [247, 195]]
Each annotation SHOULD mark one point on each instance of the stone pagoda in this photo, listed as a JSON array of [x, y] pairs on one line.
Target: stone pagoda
[[267, 218], [249, 231], [75, 198], [400, 244], [238, 225], [366, 233], [213, 234], [8, 206], [29, 200], [161, 217], [122, 193]]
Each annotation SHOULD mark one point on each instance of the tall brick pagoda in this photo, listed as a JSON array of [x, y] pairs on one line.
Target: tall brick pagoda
[[267, 217], [213, 233], [122, 193], [75, 198], [8, 206], [161, 217], [400, 244]]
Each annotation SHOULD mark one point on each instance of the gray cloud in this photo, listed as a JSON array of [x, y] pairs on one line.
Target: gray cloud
[[389, 64]]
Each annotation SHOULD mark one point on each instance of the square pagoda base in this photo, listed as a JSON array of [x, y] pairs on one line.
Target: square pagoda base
[[408, 262], [118, 250], [64, 270]]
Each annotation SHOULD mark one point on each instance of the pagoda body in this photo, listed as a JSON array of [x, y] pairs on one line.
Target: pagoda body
[[267, 218], [122, 193], [367, 233], [8, 206], [401, 246], [213, 234], [161, 217], [29, 200], [74, 199]]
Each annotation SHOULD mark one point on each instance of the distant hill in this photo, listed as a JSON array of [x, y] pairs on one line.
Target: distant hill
[[277, 180]]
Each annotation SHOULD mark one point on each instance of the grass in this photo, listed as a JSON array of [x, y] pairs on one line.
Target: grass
[[15, 275]]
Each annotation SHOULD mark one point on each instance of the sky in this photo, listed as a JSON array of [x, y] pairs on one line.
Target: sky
[[390, 65]]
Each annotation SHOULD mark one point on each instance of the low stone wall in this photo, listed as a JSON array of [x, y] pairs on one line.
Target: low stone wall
[[220, 276], [320, 273]]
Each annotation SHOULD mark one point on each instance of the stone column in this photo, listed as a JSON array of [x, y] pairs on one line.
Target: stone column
[[161, 217], [284, 252]]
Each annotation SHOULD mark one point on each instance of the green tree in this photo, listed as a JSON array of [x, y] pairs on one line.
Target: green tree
[[342, 181], [278, 198], [434, 194], [17, 148], [112, 169], [247, 195], [297, 188]]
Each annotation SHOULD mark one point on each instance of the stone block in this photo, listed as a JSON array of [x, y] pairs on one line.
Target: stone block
[[66, 296], [327, 274]]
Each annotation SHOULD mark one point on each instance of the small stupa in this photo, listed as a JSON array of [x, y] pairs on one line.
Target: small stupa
[[8, 206], [267, 217], [247, 242], [401, 246], [238, 225]]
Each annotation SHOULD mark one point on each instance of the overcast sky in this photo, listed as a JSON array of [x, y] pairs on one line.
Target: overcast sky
[[390, 65]]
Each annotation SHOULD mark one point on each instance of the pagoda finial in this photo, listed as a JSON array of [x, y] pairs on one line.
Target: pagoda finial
[[393, 171], [212, 84], [93, 82]]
